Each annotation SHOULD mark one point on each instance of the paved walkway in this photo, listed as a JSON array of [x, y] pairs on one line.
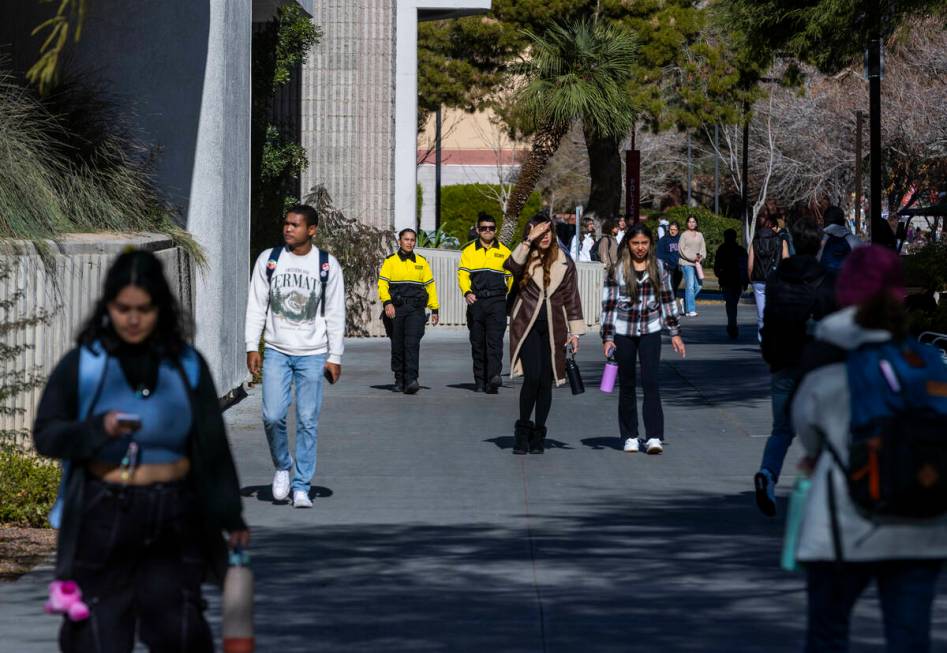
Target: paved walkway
[[428, 535]]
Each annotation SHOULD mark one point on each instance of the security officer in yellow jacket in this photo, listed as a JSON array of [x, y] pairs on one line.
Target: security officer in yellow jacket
[[406, 287], [485, 285]]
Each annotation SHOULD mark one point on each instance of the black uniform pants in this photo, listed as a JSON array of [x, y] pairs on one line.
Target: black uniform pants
[[486, 320], [139, 565], [406, 331], [628, 350]]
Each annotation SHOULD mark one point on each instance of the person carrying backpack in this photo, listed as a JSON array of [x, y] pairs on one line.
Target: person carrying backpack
[[866, 519], [296, 303], [730, 269], [837, 241], [607, 246], [798, 294], [149, 483], [766, 251]]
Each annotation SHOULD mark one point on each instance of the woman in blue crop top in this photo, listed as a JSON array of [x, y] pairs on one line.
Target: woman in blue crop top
[[151, 485]]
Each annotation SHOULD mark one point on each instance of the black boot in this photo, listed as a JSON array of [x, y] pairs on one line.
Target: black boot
[[399, 385], [537, 439], [522, 431]]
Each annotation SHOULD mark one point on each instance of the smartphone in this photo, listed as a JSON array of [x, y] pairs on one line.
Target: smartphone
[[129, 420], [326, 373]]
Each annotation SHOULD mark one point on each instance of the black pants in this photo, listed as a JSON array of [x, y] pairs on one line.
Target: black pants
[[486, 320], [677, 274], [139, 565], [731, 297], [537, 374], [406, 331], [628, 350]]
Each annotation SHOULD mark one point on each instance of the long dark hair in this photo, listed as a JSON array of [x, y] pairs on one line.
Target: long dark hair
[[627, 265], [143, 270], [547, 257]]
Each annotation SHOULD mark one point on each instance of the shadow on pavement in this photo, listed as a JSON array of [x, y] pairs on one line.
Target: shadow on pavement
[[265, 493], [604, 443], [649, 573], [506, 442]]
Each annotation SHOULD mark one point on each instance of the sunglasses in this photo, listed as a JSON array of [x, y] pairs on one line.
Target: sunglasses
[[486, 228]]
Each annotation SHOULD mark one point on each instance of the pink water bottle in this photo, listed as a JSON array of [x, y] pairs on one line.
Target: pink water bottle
[[609, 374]]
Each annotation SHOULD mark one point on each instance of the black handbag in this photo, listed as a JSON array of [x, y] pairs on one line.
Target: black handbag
[[572, 372]]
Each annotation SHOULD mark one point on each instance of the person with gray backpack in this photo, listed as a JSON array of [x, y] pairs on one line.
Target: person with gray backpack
[[297, 304], [837, 241], [766, 251]]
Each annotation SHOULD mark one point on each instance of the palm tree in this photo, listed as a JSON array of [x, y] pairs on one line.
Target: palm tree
[[574, 72]]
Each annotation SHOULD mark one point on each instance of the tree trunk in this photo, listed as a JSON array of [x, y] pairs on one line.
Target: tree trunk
[[544, 146], [605, 171]]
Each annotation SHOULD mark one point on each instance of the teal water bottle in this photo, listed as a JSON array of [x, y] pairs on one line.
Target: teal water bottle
[[797, 508]]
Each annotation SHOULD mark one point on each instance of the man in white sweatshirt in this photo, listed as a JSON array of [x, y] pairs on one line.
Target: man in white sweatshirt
[[297, 304]]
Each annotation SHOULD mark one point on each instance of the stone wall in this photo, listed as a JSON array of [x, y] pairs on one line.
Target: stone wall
[[348, 108]]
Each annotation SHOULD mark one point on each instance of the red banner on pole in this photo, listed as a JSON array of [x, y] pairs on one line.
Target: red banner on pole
[[633, 186]]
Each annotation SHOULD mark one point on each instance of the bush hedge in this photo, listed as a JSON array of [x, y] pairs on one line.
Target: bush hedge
[[710, 224], [462, 203], [28, 486]]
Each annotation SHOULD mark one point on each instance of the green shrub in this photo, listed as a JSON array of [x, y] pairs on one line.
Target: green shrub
[[710, 224], [462, 203], [28, 486], [927, 268]]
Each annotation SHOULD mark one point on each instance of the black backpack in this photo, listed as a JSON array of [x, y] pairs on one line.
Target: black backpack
[[767, 251], [594, 255], [834, 251]]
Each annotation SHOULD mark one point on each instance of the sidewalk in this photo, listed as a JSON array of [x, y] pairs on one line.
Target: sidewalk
[[428, 535]]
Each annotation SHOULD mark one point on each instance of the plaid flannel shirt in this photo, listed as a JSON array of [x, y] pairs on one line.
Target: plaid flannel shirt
[[651, 312]]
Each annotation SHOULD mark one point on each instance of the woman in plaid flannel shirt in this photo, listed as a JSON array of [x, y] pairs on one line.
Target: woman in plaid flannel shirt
[[637, 303]]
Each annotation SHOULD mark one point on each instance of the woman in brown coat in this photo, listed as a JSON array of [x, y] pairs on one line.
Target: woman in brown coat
[[546, 316]]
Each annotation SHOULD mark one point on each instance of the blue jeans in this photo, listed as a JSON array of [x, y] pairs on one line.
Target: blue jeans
[[782, 385], [280, 371], [692, 286], [906, 589], [759, 294]]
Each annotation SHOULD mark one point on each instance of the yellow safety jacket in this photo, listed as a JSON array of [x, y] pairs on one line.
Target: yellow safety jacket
[[481, 270], [407, 279]]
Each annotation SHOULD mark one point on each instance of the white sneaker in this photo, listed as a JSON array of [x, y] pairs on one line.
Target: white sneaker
[[301, 499], [631, 445], [653, 446], [281, 485], [692, 314]]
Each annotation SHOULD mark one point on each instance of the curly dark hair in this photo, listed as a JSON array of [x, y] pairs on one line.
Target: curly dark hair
[[143, 270]]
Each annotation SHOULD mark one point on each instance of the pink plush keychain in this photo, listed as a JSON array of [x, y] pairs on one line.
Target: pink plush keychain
[[65, 597]]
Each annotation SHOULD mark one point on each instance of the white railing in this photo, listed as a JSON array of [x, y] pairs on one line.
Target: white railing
[[453, 312], [66, 287]]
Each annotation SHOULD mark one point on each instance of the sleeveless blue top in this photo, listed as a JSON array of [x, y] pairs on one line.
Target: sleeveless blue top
[[165, 415]]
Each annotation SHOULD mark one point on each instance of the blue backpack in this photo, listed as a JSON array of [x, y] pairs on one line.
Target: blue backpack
[[834, 252], [897, 464], [92, 361]]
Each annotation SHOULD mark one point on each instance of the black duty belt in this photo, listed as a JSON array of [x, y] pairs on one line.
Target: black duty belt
[[487, 294], [409, 301]]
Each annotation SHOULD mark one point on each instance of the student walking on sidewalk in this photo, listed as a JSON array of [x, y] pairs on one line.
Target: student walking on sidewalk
[[150, 483], [693, 251], [485, 283], [766, 251], [406, 286], [637, 304], [870, 368], [546, 317], [297, 304], [798, 295], [730, 268]]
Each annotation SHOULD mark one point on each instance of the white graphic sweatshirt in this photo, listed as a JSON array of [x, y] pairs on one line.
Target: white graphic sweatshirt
[[288, 307]]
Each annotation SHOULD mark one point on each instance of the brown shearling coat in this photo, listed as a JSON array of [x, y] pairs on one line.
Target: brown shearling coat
[[560, 300]]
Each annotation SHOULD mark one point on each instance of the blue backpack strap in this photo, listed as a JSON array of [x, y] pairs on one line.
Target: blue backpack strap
[[323, 279], [191, 364], [271, 263], [92, 361]]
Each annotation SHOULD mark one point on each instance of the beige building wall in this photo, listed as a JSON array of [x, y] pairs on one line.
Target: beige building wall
[[348, 124]]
